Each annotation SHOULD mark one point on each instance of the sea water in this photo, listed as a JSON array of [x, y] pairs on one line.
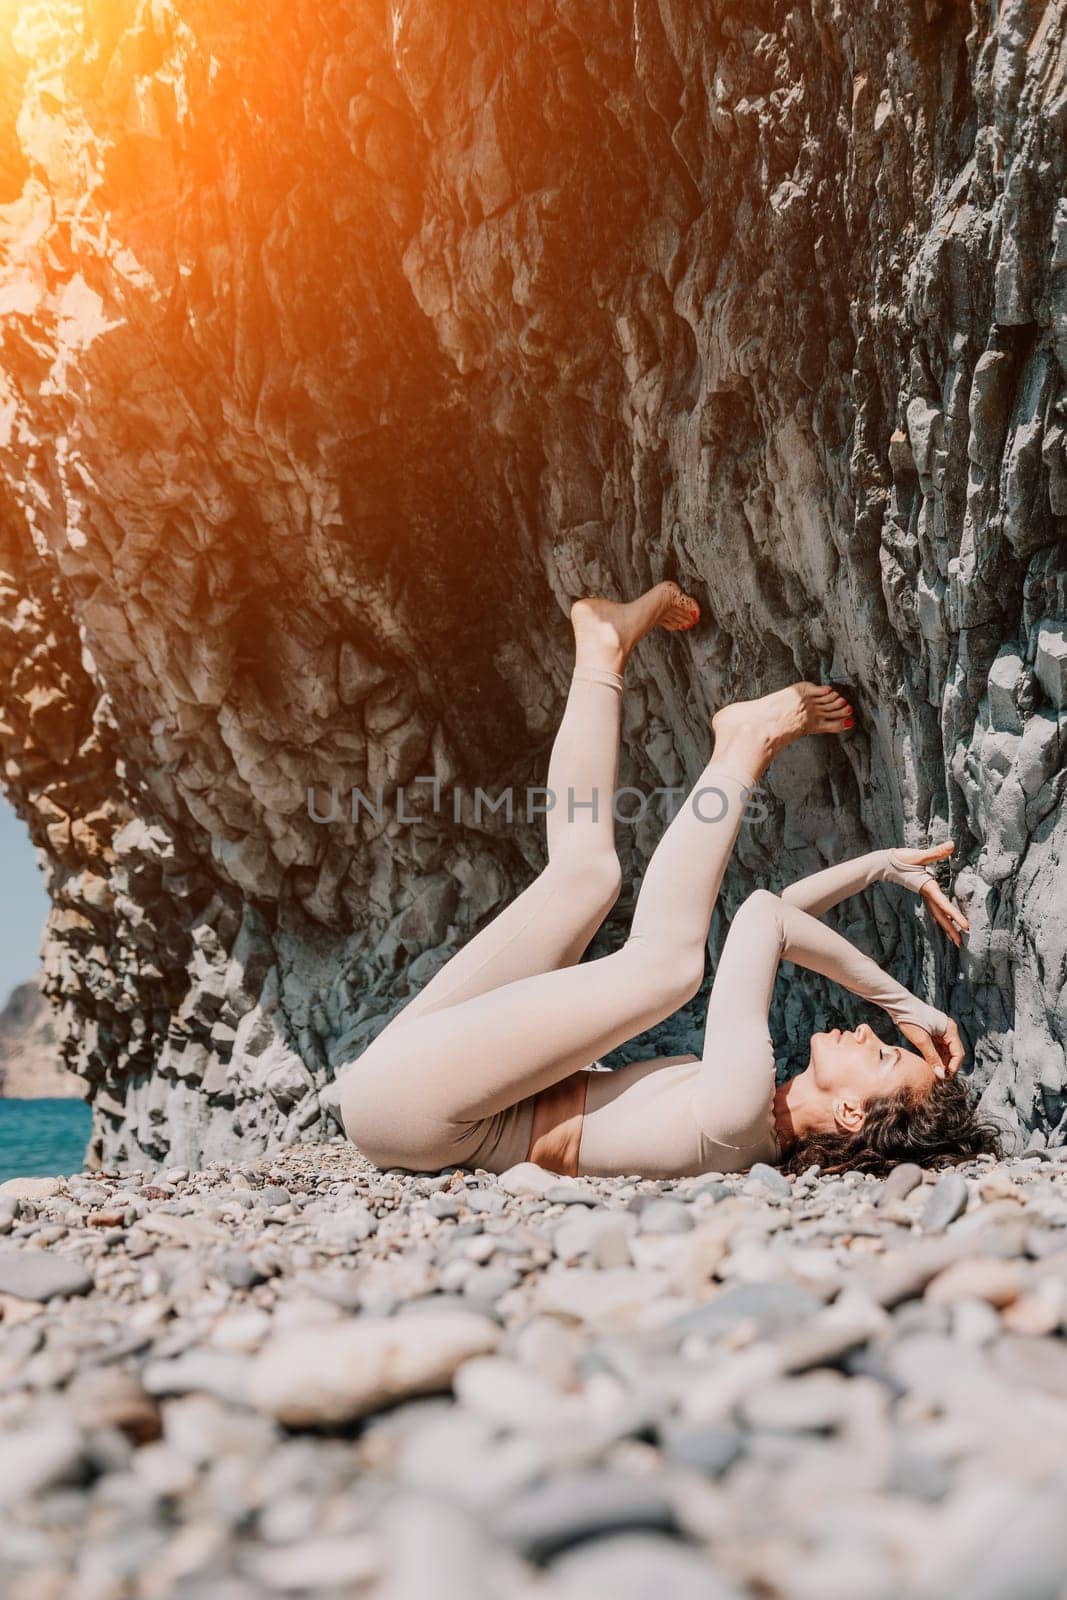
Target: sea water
[[43, 1138]]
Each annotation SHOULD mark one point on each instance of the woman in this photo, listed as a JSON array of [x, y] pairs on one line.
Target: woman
[[488, 1065]]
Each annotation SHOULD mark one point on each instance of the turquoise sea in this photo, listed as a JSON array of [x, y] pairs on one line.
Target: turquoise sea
[[42, 1138]]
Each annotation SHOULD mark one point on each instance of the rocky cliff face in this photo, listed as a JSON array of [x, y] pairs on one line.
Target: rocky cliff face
[[30, 1067], [340, 344]]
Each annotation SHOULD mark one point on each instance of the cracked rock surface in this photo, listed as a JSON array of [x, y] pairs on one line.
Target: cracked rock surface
[[304, 1376], [341, 344]]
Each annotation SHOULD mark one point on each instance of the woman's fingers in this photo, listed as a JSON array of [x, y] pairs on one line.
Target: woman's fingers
[[919, 857], [951, 1048], [950, 1051], [924, 1044], [944, 1052], [944, 922], [946, 913]]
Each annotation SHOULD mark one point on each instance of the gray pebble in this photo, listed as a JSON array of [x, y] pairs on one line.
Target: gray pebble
[[569, 1194], [666, 1216], [923, 1477], [775, 1182], [773, 1307], [947, 1202], [40, 1274], [815, 1402], [639, 1566], [214, 1372], [582, 1505], [710, 1448], [35, 1458], [239, 1270], [900, 1182], [1034, 1363]]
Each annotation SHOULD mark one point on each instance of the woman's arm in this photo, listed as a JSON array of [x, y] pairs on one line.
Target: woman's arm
[[905, 866], [812, 944], [732, 1097], [820, 890]]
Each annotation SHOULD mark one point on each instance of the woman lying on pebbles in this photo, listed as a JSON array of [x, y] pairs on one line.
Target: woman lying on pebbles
[[489, 1064]]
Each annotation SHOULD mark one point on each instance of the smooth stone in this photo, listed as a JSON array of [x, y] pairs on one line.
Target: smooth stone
[[526, 1177], [216, 1372], [775, 1182], [108, 1397], [922, 1477], [919, 1316], [988, 1278], [347, 1229], [666, 1216], [973, 1322], [574, 1506], [318, 1564], [1036, 1363], [437, 1551], [239, 1270], [341, 1286], [35, 1458], [40, 1274], [579, 1233], [638, 1566], [328, 1375], [773, 1307], [512, 1396], [710, 1447], [615, 1296], [815, 1402], [569, 1194], [851, 1321], [903, 1274], [1043, 1312], [900, 1183], [947, 1201], [35, 1189], [487, 1284]]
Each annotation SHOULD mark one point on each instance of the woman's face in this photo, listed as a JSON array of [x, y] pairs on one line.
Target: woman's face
[[857, 1066]]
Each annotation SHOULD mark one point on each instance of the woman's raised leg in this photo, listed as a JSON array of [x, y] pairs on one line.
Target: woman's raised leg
[[474, 1059], [551, 923]]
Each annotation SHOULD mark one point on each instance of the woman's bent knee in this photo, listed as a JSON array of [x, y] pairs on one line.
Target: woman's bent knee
[[593, 877], [370, 1115], [386, 1118], [669, 978], [761, 905]]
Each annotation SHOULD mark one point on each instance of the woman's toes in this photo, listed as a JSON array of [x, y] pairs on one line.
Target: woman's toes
[[680, 610]]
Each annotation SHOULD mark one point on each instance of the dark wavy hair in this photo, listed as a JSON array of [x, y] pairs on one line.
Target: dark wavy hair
[[935, 1129]]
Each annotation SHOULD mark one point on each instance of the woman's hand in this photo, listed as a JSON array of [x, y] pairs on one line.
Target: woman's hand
[[943, 1051], [945, 912]]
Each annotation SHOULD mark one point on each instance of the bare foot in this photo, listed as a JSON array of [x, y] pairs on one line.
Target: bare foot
[[605, 631], [754, 731]]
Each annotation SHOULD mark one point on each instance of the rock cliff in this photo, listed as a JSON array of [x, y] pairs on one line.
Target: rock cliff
[[30, 1067], [341, 343]]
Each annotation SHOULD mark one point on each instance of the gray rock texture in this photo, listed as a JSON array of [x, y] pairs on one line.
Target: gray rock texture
[[341, 345]]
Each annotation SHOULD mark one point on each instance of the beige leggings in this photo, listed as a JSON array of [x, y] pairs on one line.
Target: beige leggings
[[513, 1011]]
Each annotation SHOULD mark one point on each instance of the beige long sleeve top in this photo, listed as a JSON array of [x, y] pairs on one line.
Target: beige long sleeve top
[[681, 1115]]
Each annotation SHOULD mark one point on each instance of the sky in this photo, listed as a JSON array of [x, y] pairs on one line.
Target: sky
[[23, 903]]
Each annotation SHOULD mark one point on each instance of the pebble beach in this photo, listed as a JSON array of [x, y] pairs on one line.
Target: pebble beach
[[303, 1376]]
